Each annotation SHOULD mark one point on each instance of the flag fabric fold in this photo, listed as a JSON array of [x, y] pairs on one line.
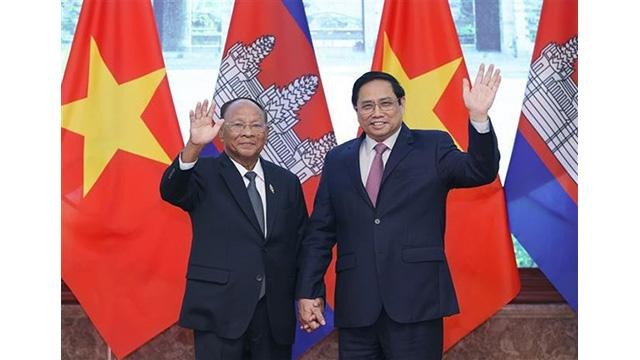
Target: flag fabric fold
[[268, 56], [542, 181], [418, 44], [124, 250]]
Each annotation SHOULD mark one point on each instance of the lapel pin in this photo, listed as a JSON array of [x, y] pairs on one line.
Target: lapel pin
[[272, 189]]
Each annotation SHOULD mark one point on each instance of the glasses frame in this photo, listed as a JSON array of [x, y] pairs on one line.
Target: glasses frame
[[382, 105], [238, 127]]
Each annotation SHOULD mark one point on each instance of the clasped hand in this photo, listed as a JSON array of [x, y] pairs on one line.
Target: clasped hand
[[310, 314]]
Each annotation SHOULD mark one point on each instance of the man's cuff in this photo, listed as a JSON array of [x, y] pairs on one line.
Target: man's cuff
[[184, 165], [481, 127]]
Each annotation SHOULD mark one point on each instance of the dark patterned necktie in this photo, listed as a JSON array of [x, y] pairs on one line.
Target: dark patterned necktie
[[254, 196], [256, 203]]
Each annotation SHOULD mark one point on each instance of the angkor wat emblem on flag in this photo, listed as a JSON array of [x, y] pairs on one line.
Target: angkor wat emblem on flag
[[551, 102], [237, 78]]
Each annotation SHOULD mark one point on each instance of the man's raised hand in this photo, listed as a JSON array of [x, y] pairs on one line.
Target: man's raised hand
[[203, 129], [479, 98]]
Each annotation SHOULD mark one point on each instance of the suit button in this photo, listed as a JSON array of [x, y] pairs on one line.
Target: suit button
[[259, 277], [376, 221]]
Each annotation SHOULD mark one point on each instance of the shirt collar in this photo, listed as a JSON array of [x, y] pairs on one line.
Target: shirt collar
[[256, 169], [369, 143]]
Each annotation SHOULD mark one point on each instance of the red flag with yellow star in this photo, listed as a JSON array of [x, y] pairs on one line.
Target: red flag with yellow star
[[124, 250], [418, 44]]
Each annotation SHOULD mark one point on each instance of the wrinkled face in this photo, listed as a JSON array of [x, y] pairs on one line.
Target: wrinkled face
[[244, 132], [379, 110]]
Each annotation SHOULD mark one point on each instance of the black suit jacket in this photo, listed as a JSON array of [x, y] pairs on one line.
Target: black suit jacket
[[229, 253], [391, 256]]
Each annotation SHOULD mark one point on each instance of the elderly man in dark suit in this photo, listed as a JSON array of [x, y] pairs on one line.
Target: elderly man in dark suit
[[382, 199], [247, 217]]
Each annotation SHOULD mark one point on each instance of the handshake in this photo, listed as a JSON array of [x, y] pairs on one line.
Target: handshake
[[310, 314]]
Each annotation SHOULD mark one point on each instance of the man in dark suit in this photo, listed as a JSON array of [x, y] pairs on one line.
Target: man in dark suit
[[247, 217], [382, 199]]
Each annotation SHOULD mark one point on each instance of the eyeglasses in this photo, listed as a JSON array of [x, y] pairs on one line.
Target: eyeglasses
[[370, 106], [254, 128]]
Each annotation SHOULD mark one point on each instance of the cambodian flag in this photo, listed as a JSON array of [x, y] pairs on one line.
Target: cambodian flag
[[269, 57], [542, 181]]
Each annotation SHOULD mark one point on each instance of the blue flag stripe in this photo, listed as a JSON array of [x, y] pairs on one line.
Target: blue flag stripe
[[304, 340], [296, 9], [544, 219]]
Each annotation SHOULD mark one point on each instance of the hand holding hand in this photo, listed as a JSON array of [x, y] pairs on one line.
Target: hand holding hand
[[479, 98], [310, 314]]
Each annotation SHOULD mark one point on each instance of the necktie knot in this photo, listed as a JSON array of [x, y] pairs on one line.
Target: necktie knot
[[251, 175], [380, 148]]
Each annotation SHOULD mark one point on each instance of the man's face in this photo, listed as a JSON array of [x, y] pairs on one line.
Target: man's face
[[244, 132], [379, 111]]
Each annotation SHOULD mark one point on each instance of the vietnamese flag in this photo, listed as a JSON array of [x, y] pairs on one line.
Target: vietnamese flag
[[124, 250], [418, 44]]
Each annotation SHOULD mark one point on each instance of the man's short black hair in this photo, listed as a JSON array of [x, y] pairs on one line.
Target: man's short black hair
[[376, 75], [225, 106]]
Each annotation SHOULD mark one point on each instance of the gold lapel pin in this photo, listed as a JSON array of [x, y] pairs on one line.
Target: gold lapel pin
[[272, 189]]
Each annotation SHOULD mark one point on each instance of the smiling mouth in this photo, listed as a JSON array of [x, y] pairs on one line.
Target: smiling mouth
[[377, 123]]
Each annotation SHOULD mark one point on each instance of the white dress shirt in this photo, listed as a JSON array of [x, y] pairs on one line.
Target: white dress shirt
[[260, 182]]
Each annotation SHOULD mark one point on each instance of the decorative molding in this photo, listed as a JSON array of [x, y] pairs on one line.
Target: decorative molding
[[535, 288]]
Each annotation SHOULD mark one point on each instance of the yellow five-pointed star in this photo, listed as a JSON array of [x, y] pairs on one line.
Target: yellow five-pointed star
[[110, 119], [422, 92]]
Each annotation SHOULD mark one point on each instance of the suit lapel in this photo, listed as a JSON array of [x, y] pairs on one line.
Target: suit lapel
[[273, 188], [352, 163], [236, 185], [401, 148]]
